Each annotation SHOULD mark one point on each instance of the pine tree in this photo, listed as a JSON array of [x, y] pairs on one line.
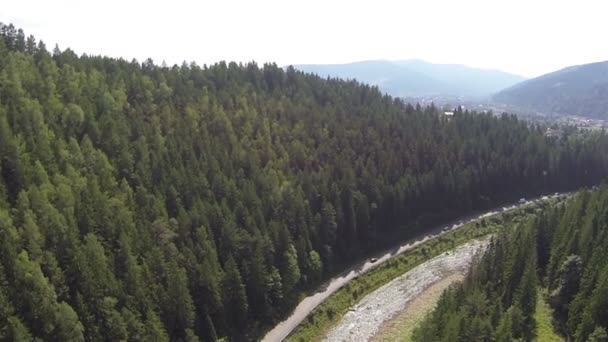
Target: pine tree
[[315, 266], [504, 331], [178, 309], [598, 335], [117, 177], [47, 318], [568, 284], [235, 297], [16, 331], [290, 270]]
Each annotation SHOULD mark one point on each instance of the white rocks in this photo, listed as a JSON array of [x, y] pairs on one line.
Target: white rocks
[[373, 310]]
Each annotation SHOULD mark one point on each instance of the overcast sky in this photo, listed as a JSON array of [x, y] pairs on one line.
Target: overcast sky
[[526, 37]]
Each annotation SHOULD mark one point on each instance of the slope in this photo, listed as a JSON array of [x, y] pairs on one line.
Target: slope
[[388, 76], [577, 90], [464, 80], [563, 249], [188, 203], [419, 78]]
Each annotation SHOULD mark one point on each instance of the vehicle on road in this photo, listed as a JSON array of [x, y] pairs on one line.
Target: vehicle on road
[[308, 304]]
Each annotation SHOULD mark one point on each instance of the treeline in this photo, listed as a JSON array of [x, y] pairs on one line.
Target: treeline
[[147, 202], [564, 249], [497, 300]]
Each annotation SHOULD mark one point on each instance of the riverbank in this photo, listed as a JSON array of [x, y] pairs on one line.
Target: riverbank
[[315, 324], [400, 327], [366, 318]]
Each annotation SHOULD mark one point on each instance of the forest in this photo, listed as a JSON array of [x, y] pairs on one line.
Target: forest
[[562, 250], [146, 202]]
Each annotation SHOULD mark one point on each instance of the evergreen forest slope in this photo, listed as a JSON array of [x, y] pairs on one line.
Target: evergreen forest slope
[[577, 90], [564, 250], [189, 203]]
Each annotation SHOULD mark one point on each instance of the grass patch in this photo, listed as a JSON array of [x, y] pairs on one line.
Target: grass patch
[[543, 316], [331, 311]]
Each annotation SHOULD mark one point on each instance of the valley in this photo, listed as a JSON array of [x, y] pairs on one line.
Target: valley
[[442, 238], [367, 318], [264, 171], [543, 280]]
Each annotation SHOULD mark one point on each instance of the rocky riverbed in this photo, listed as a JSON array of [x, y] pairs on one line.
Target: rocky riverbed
[[365, 319]]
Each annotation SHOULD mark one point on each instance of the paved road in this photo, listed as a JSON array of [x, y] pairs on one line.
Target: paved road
[[307, 305]]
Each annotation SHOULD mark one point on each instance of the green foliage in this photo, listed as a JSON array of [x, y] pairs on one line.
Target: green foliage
[[331, 311], [576, 274], [188, 202], [235, 299], [568, 285], [290, 271], [16, 331], [38, 303], [504, 331], [315, 266], [545, 331], [482, 298], [598, 335]]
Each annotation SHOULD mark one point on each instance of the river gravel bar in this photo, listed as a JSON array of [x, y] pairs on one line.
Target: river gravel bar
[[365, 318]]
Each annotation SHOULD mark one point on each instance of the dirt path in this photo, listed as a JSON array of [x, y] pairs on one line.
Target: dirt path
[[307, 305], [400, 327], [364, 320]]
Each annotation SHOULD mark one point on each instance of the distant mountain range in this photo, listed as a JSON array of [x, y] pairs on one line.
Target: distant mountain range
[[417, 78], [580, 90]]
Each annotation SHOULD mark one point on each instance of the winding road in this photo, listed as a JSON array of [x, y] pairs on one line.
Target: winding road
[[308, 304]]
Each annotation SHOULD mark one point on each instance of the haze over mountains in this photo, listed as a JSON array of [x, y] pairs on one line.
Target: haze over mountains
[[415, 78], [580, 90]]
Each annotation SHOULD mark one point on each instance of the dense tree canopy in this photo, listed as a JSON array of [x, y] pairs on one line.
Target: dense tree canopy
[[146, 202], [497, 300], [563, 249]]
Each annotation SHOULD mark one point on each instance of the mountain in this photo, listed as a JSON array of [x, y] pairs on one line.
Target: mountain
[[415, 78], [141, 202], [577, 90]]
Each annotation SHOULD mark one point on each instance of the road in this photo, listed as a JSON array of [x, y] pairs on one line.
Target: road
[[308, 304]]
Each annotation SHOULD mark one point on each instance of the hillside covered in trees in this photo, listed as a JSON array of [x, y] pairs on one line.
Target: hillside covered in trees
[[576, 90], [149, 203], [564, 249]]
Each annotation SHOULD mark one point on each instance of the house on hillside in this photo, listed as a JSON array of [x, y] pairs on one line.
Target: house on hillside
[[553, 133]]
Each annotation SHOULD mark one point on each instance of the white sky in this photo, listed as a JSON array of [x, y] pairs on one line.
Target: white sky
[[527, 37]]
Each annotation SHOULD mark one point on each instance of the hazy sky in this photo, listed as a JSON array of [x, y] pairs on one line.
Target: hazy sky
[[527, 37]]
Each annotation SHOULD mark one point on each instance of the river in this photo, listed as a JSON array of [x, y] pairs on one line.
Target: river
[[308, 304]]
